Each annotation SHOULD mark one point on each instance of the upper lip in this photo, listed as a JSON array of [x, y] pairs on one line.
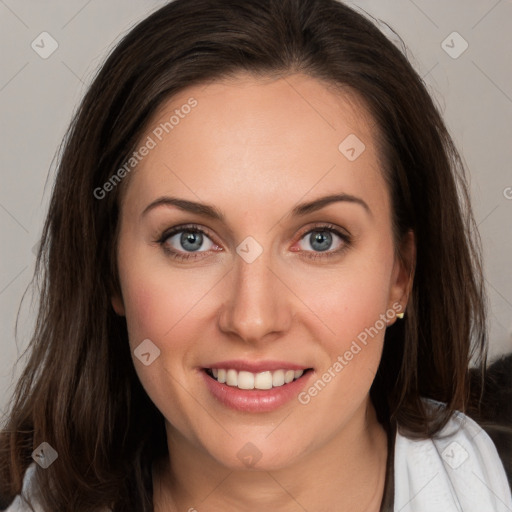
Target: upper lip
[[256, 366]]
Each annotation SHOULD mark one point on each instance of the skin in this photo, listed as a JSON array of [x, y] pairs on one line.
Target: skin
[[254, 148]]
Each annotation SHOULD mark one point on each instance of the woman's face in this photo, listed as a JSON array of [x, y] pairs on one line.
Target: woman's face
[[272, 284]]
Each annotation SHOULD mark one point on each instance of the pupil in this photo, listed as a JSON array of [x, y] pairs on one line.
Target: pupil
[[191, 241], [323, 238]]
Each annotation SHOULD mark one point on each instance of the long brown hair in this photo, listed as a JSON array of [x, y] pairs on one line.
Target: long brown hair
[[79, 391]]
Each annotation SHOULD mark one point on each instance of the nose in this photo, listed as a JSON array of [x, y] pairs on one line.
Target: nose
[[258, 305]]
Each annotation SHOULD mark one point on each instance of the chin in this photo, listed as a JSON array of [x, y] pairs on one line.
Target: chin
[[256, 453]]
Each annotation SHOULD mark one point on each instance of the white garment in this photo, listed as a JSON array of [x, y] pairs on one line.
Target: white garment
[[459, 471]]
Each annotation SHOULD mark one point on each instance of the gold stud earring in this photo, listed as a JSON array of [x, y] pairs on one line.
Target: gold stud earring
[[400, 315]]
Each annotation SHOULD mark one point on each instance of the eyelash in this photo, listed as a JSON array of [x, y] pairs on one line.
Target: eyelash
[[193, 228]]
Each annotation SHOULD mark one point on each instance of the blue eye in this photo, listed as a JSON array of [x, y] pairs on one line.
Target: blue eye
[[188, 242], [321, 239], [182, 242]]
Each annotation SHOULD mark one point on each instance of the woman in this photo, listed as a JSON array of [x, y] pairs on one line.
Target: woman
[[251, 196]]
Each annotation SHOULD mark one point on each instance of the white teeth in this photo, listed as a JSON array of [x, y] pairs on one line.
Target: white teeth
[[249, 380], [263, 380], [232, 378], [245, 380], [278, 378]]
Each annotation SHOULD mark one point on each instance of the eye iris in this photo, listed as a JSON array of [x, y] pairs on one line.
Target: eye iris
[[324, 238], [189, 237]]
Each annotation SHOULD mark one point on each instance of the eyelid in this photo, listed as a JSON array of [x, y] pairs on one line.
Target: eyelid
[[324, 226], [184, 227]]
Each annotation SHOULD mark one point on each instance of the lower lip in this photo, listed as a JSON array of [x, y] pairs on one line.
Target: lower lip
[[255, 400]]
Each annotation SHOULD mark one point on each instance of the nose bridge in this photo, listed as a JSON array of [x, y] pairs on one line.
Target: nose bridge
[[256, 304]]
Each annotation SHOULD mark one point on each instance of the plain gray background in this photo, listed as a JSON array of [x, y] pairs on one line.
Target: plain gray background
[[38, 97]]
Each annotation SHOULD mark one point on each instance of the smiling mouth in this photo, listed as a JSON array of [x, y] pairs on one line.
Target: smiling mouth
[[248, 380]]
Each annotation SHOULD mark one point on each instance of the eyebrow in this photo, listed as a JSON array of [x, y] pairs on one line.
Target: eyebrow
[[214, 213]]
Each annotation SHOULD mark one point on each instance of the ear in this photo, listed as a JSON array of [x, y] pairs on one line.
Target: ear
[[117, 304], [403, 274]]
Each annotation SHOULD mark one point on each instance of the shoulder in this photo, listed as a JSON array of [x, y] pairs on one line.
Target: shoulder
[[458, 469], [20, 504], [29, 489]]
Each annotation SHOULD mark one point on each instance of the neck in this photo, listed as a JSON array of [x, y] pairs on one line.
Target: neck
[[346, 473]]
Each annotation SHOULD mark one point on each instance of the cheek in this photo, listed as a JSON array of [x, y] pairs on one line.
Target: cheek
[[155, 297], [349, 300], [145, 305], [351, 303], [156, 304], [163, 307], [351, 308]]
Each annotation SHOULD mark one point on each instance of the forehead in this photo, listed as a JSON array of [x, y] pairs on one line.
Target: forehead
[[258, 139]]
